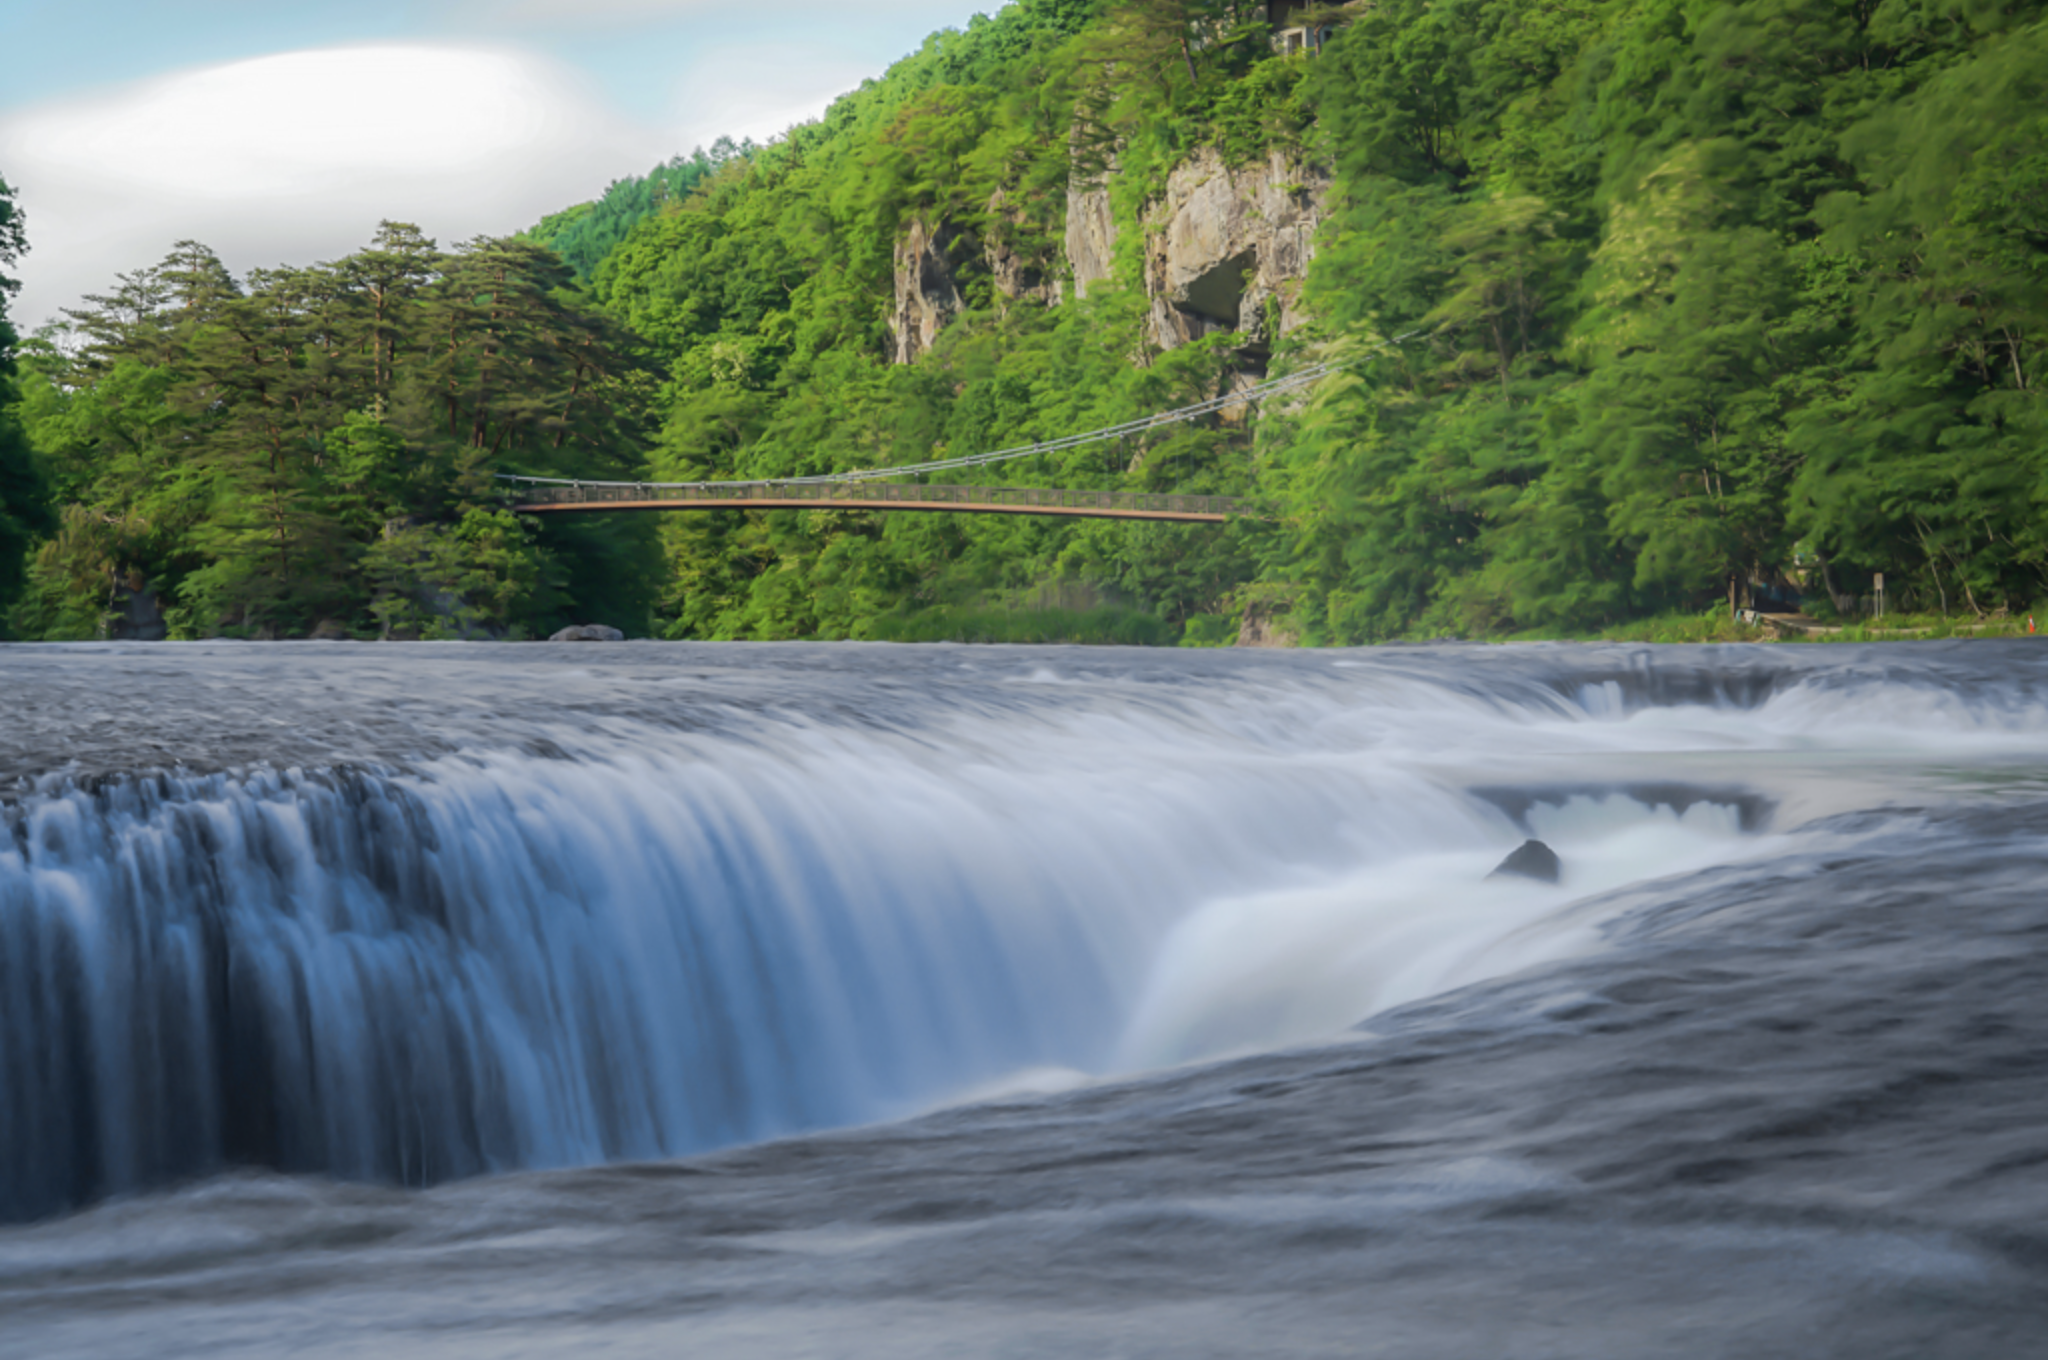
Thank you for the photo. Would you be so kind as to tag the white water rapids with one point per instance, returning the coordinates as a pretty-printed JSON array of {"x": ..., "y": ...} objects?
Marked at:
[{"x": 647, "y": 910}]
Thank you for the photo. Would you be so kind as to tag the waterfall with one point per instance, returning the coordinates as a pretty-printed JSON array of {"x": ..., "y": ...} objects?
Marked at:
[{"x": 636, "y": 940}]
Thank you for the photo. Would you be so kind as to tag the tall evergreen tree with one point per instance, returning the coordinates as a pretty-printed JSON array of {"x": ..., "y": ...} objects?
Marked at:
[
  {"x": 313, "y": 448},
  {"x": 25, "y": 510}
]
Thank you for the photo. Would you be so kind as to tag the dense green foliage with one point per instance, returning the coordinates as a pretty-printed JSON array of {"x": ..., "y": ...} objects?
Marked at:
[
  {"x": 766, "y": 300},
  {"x": 25, "y": 509},
  {"x": 315, "y": 451},
  {"x": 1696, "y": 296},
  {"x": 1706, "y": 295},
  {"x": 1715, "y": 292},
  {"x": 585, "y": 234}
]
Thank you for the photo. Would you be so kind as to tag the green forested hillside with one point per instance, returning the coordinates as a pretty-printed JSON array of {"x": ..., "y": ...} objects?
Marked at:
[
  {"x": 584, "y": 234},
  {"x": 310, "y": 450},
  {"x": 25, "y": 501},
  {"x": 1702, "y": 297},
  {"x": 765, "y": 300},
  {"x": 1723, "y": 290}
]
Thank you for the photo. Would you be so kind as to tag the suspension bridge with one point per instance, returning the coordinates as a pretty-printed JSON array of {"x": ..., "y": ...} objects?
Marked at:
[
  {"x": 988, "y": 500},
  {"x": 876, "y": 489}
]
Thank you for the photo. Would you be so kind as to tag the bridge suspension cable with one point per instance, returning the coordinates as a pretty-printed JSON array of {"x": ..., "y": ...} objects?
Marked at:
[{"x": 1272, "y": 387}]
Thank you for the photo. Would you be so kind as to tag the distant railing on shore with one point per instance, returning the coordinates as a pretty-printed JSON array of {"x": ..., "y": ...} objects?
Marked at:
[{"x": 541, "y": 497}]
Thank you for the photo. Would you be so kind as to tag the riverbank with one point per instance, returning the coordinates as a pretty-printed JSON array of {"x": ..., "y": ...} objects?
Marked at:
[{"x": 1750, "y": 626}]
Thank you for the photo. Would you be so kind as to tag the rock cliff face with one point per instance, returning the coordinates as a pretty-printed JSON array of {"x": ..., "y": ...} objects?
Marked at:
[
  {"x": 1091, "y": 235},
  {"x": 1226, "y": 246},
  {"x": 1226, "y": 249},
  {"x": 927, "y": 297},
  {"x": 933, "y": 262},
  {"x": 1258, "y": 629},
  {"x": 1017, "y": 275}
]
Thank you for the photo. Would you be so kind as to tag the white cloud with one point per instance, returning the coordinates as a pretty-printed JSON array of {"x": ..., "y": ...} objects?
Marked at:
[
  {"x": 588, "y": 11},
  {"x": 759, "y": 94},
  {"x": 295, "y": 157},
  {"x": 776, "y": 25}
]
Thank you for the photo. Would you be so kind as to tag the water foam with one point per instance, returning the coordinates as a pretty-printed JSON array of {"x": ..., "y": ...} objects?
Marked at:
[{"x": 616, "y": 939}]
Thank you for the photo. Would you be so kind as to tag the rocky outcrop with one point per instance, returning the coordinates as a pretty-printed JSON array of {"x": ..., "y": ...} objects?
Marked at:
[
  {"x": 588, "y": 632},
  {"x": 1091, "y": 235},
  {"x": 139, "y": 618},
  {"x": 1261, "y": 627},
  {"x": 1530, "y": 859},
  {"x": 927, "y": 296},
  {"x": 937, "y": 264},
  {"x": 1017, "y": 275},
  {"x": 1227, "y": 248}
]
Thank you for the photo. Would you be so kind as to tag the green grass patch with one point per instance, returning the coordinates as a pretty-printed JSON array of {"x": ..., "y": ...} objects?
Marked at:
[{"x": 1716, "y": 625}]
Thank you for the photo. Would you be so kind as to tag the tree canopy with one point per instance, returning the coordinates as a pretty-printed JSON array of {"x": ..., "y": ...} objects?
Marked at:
[
  {"x": 25, "y": 508},
  {"x": 1714, "y": 293},
  {"x": 1701, "y": 298},
  {"x": 314, "y": 449}
]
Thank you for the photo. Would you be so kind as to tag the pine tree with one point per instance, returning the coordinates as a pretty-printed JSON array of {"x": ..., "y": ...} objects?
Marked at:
[{"x": 25, "y": 510}]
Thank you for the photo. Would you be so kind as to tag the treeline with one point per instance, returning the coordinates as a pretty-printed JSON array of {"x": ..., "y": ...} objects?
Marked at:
[
  {"x": 584, "y": 234},
  {"x": 25, "y": 509},
  {"x": 1708, "y": 300},
  {"x": 312, "y": 451},
  {"x": 1700, "y": 300},
  {"x": 1714, "y": 294},
  {"x": 766, "y": 299}
]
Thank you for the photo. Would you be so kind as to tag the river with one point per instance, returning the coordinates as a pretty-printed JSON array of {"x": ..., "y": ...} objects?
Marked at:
[{"x": 769, "y": 1000}]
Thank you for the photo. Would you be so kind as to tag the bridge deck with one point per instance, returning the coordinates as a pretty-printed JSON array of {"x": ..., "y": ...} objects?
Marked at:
[{"x": 988, "y": 500}]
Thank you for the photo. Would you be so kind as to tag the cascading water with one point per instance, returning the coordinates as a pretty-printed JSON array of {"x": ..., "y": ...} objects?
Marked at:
[
  {"x": 648, "y": 941},
  {"x": 635, "y": 946},
  {"x": 402, "y": 916}
]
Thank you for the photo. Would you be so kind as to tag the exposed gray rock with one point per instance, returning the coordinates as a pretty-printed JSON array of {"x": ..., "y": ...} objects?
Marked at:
[
  {"x": 1017, "y": 275},
  {"x": 588, "y": 632},
  {"x": 1531, "y": 859},
  {"x": 1226, "y": 245},
  {"x": 1227, "y": 249},
  {"x": 1091, "y": 235},
  {"x": 1258, "y": 629},
  {"x": 927, "y": 298},
  {"x": 140, "y": 619}
]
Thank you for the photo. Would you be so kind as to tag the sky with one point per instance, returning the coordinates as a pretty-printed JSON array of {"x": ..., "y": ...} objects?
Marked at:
[{"x": 283, "y": 131}]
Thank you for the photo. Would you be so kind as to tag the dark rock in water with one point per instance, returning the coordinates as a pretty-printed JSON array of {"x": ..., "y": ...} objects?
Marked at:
[
  {"x": 141, "y": 618},
  {"x": 1532, "y": 859},
  {"x": 588, "y": 632}
]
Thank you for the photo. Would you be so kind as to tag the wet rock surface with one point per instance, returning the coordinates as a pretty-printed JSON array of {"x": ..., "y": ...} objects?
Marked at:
[{"x": 1532, "y": 859}]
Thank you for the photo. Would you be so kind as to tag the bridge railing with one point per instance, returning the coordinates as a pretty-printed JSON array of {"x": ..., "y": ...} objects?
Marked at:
[{"x": 827, "y": 493}]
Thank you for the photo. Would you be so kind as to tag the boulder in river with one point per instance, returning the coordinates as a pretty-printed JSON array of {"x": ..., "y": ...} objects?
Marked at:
[
  {"x": 588, "y": 632},
  {"x": 1532, "y": 859}
]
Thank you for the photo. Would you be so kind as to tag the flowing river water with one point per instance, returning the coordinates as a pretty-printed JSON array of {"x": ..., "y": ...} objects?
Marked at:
[{"x": 838, "y": 1000}]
